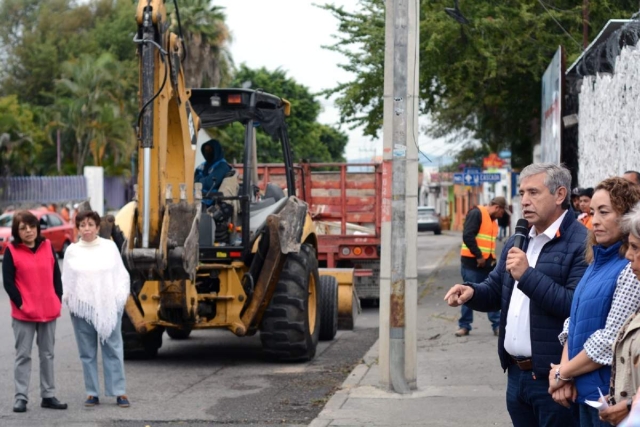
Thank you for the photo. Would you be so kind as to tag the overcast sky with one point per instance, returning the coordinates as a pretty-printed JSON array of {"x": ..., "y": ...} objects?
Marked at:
[{"x": 289, "y": 34}]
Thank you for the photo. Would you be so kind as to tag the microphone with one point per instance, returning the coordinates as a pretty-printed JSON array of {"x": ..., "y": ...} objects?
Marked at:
[{"x": 520, "y": 236}]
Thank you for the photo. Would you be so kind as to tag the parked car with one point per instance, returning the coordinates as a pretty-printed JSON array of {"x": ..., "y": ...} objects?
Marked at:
[
  {"x": 428, "y": 220},
  {"x": 52, "y": 227}
]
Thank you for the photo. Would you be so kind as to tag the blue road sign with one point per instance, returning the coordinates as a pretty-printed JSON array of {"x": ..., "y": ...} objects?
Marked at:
[
  {"x": 471, "y": 178},
  {"x": 472, "y": 171},
  {"x": 475, "y": 179},
  {"x": 490, "y": 177}
]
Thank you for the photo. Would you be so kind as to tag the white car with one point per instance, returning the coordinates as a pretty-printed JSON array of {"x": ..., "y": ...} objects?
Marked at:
[{"x": 428, "y": 220}]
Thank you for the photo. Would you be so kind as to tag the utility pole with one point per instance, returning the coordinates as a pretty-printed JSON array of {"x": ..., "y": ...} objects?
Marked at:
[{"x": 398, "y": 270}]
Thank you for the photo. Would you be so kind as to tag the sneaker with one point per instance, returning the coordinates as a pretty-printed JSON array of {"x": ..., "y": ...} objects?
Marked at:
[
  {"x": 92, "y": 401},
  {"x": 462, "y": 332},
  {"x": 123, "y": 402},
  {"x": 496, "y": 331}
]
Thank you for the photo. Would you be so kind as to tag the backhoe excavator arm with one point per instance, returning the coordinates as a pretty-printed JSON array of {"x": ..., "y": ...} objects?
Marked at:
[
  {"x": 167, "y": 127},
  {"x": 160, "y": 226}
]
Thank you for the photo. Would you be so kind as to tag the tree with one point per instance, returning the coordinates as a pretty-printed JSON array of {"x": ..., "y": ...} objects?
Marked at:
[
  {"x": 206, "y": 37},
  {"x": 21, "y": 139},
  {"x": 309, "y": 139},
  {"x": 482, "y": 78},
  {"x": 91, "y": 108}
]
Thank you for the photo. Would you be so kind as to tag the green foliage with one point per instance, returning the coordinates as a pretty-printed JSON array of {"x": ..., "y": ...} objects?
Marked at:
[
  {"x": 206, "y": 35},
  {"x": 21, "y": 139},
  {"x": 310, "y": 140},
  {"x": 72, "y": 67},
  {"x": 482, "y": 78},
  {"x": 90, "y": 107}
]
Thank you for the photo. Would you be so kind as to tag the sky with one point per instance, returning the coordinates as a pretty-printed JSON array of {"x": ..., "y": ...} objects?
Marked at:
[{"x": 289, "y": 34}]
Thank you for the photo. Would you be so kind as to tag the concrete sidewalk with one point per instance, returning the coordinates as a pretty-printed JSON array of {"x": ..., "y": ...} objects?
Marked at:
[{"x": 460, "y": 382}]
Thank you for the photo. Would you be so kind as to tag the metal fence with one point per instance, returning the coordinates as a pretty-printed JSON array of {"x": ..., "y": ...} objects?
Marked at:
[{"x": 34, "y": 190}]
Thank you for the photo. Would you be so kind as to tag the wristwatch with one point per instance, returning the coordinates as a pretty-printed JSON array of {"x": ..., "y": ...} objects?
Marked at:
[{"x": 629, "y": 403}]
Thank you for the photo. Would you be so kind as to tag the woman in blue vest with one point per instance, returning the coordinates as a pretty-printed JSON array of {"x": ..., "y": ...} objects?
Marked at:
[{"x": 603, "y": 300}]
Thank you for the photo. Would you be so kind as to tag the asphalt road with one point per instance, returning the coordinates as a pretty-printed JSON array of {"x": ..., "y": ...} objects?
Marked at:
[{"x": 213, "y": 378}]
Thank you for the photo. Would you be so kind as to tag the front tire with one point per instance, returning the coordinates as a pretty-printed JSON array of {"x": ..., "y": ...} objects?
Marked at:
[
  {"x": 291, "y": 324},
  {"x": 179, "y": 334},
  {"x": 328, "y": 308},
  {"x": 138, "y": 346}
]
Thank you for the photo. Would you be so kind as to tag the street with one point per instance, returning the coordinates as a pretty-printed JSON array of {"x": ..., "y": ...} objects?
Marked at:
[{"x": 213, "y": 377}]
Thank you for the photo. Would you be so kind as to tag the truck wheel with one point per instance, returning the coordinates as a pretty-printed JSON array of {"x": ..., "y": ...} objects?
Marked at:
[
  {"x": 328, "y": 307},
  {"x": 291, "y": 324},
  {"x": 138, "y": 346},
  {"x": 179, "y": 334},
  {"x": 437, "y": 231}
]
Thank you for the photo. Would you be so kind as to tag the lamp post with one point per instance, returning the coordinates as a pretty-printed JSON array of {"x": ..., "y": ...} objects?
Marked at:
[{"x": 455, "y": 13}]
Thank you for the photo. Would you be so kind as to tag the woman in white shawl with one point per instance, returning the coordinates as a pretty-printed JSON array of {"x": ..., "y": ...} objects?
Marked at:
[{"x": 96, "y": 287}]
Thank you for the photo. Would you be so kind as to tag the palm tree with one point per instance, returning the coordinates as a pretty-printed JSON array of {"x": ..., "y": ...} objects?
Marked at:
[
  {"x": 92, "y": 107},
  {"x": 206, "y": 38}
]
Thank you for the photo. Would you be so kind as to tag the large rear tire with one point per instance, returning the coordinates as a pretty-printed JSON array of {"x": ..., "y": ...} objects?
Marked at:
[
  {"x": 291, "y": 324},
  {"x": 138, "y": 346},
  {"x": 328, "y": 307}
]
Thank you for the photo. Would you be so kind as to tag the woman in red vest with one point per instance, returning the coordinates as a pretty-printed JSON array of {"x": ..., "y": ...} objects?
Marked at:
[{"x": 31, "y": 277}]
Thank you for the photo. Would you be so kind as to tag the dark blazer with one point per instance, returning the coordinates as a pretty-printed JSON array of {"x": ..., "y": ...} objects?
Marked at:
[{"x": 550, "y": 286}]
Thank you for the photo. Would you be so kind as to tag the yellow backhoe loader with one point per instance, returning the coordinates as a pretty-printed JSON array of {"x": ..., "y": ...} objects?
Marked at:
[{"x": 237, "y": 260}]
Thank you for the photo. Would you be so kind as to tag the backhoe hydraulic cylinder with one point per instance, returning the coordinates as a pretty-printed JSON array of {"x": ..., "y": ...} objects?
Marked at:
[{"x": 146, "y": 189}]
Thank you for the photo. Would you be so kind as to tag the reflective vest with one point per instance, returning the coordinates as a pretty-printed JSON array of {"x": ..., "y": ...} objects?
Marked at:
[
  {"x": 486, "y": 237},
  {"x": 586, "y": 220}
]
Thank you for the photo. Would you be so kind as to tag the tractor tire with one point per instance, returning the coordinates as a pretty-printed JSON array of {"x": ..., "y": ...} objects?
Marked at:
[
  {"x": 138, "y": 346},
  {"x": 291, "y": 323},
  {"x": 179, "y": 334},
  {"x": 328, "y": 307}
]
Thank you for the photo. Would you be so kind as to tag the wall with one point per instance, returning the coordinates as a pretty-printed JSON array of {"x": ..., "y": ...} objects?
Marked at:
[{"x": 609, "y": 121}]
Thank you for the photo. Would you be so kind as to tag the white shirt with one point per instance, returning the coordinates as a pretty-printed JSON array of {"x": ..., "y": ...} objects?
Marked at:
[{"x": 517, "y": 337}]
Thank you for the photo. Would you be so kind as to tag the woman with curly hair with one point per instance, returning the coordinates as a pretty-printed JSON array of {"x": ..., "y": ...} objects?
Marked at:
[
  {"x": 96, "y": 287},
  {"x": 608, "y": 293}
]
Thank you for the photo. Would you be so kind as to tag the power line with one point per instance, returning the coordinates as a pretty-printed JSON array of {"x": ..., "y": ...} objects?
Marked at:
[{"x": 560, "y": 25}]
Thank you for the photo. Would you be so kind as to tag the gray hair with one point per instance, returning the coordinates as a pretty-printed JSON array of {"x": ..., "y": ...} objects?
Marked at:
[
  {"x": 556, "y": 176},
  {"x": 631, "y": 222}
]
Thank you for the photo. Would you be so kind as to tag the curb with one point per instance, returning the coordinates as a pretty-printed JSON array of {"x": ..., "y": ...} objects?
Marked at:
[{"x": 371, "y": 357}]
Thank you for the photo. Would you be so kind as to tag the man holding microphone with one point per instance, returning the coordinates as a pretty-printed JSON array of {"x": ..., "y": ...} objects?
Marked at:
[{"x": 533, "y": 287}]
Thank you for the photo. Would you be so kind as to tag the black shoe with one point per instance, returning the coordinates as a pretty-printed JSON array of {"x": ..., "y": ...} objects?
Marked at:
[
  {"x": 20, "y": 406},
  {"x": 52, "y": 403}
]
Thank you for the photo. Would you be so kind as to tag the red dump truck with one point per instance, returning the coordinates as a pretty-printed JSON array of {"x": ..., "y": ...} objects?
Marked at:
[{"x": 345, "y": 201}]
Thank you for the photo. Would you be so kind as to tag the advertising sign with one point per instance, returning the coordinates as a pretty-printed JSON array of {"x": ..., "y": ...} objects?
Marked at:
[
  {"x": 551, "y": 132},
  {"x": 492, "y": 161}
]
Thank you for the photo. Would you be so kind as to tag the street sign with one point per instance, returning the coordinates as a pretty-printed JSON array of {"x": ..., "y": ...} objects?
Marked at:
[
  {"x": 474, "y": 179},
  {"x": 471, "y": 178},
  {"x": 490, "y": 177},
  {"x": 472, "y": 171}
]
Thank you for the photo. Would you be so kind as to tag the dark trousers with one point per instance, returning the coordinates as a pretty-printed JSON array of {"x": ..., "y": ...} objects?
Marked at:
[
  {"x": 589, "y": 417},
  {"x": 530, "y": 404},
  {"x": 475, "y": 275}
]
